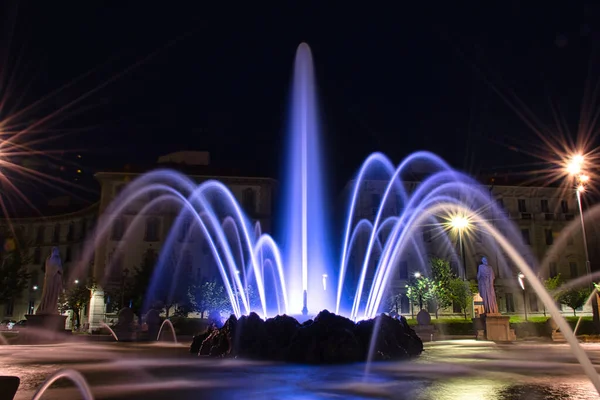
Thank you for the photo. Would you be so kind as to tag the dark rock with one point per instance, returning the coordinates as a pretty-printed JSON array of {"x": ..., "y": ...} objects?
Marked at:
[
  {"x": 8, "y": 387},
  {"x": 327, "y": 339},
  {"x": 199, "y": 338}
]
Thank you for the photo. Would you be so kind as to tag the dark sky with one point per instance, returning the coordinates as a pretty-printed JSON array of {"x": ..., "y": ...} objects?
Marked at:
[{"x": 166, "y": 78}]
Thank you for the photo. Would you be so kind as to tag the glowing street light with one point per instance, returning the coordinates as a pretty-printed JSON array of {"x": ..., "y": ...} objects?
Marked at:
[
  {"x": 77, "y": 281},
  {"x": 521, "y": 278},
  {"x": 461, "y": 223},
  {"x": 575, "y": 167},
  {"x": 417, "y": 275}
]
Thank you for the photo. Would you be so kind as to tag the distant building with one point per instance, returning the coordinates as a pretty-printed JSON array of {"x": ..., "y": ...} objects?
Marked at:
[
  {"x": 540, "y": 213},
  {"x": 254, "y": 194},
  {"x": 66, "y": 225}
]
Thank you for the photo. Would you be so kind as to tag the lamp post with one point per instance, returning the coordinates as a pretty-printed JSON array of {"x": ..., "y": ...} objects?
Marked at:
[
  {"x": 521, "y": 277},
  {"x": 460, "y": 223},
  {"x": 576, "y": 169}
]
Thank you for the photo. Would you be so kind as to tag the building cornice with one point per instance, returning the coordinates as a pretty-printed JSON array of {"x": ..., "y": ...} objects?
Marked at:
[{"x": 58, "y": 217}]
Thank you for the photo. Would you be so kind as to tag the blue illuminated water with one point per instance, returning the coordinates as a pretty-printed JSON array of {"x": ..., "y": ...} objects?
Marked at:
[{"x": 302, "y": 268}]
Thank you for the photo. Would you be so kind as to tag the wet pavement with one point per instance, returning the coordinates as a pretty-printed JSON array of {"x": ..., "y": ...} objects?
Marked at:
[{"x": 466, "y": 370}]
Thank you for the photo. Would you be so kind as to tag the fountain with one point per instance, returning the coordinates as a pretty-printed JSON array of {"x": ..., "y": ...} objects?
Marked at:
[{"x": 289, "y": 276}]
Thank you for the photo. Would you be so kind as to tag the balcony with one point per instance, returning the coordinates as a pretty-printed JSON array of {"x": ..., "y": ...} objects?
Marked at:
[{"x": 548, "y": 216}]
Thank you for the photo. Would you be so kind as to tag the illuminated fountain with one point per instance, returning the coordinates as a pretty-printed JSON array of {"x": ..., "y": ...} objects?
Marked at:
[{"x": 299, "y": 273}]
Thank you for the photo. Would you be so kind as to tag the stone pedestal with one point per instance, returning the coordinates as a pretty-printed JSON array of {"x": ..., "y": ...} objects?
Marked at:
[
  {"x": 424, "y": 329},
  {"x": 43, "y": 328},
  {"x": 97, "y": 311},
  {"x": 497, "y": 328},
  {"x": 555, "y": 333}
]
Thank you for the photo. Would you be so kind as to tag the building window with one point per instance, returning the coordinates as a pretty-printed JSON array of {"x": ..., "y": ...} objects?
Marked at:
[
  {"x": 152, "y": 226},
  {"x": 249, "y": 200},
  {"x": 544, "y": 206},
  {"x": 500, "y": 204},
  {"x": 510, "y": 302},
  {"x": 404, "y": 304},
  {"x": 533, "y": 302},
  {"x": 205, "y": 247},
  {"x": 31, "y": 306},
  {"x": 187, "y": 262},
  {"x": 403, "y": 269},
  {"x": 573, "y": 269},
  {"x": 37, "y": 255},
  {"x": 525, "y": 235},
  {"x": 119, "y": 189},
  {"x": 68, "y": 254},
  {"x": 549, "y": 237},
  {"x": 39, "y": 236},
  {"x": 456, "y": 308},
  {"x": 570, "y": 240},
  {"x": 553, "y": 269},
  {"x": 184, "y": 231},
  {"x": 375, "y": 201},
  {"x": 118, "y": 229},
  {"x": 477, "y": 235},
  {"x": 10, "y": 308},
  {"x": 70, "y": 232},
  {"x": 198, "y": 275},
  {"x": 522, "y": 205},
  {"x": 564, "y": 206},
  {"x": 427, "y": 236},
  {"x": 83, "y": 229},
  {"x": 56, "y": 234}
]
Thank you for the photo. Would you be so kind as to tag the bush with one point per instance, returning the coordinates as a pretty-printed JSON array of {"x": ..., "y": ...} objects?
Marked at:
[{"x": 189, "y": 326}]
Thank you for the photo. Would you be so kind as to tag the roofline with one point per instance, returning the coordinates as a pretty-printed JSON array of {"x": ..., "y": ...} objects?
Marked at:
[
  {"x": 53, "y": 217},
  {"x": 217, "y": 177}
]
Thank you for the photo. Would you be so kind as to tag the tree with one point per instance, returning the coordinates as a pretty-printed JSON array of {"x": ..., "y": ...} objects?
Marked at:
[
  {"x": 461, "y": 294},
  {"x": 442, "y": 275},
  {"x": 76, "y": 298},
  {"x": 14, "y": 277},
  {"x": 171, "y": 287},
  {"x": 420, "y": 290},
  {"x": 551, "y": 284},
  {"x": 207, "y": 297},
  {"x": 574, "y": 298}
]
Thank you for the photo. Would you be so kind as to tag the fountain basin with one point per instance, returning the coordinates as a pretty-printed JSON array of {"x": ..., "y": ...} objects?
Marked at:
[{"x": 328, "y": 339}]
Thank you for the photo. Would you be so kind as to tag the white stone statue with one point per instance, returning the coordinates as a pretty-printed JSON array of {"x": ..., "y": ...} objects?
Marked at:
[
  {"x": 485, "y": 280},
  {"x": 53, "y": 281}
]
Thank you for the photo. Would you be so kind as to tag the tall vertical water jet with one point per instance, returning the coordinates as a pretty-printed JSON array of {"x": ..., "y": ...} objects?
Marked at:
[{"x": 306, "y": 237}]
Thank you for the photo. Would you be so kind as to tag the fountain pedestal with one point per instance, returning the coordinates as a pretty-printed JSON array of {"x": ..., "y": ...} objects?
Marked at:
[
  {"x": 497, "y": 328},
  {"x": 45, "y": 327}
]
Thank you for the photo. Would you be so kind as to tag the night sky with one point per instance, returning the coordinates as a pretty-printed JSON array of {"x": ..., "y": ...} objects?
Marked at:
[{"x": 163, "y": 78}]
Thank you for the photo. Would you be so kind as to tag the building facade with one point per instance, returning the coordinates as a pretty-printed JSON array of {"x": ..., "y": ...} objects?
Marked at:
[
  {"x": 137, "y": 232},
  {"x": 67, "y": 231},
  {"x": 537, "y": 215}
]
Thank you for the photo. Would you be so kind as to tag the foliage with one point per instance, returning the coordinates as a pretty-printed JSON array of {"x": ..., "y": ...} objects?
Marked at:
[
  {"x": 461, "y": 294},
  {"x": 171, "y": 287},
  {"x": 551, "y": 284},
  {"x": 420, "y": 290},
  {"x": 574, "y": 298},
  {"x": 76, "y": 298},
  {"x": 208, "y": 296},
  {"x": 442, "y": 275},
  {"x": 14, "y": 257}
]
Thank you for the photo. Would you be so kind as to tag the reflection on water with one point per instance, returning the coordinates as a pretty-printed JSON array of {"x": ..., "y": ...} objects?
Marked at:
[{"x": 466, "y": 370}]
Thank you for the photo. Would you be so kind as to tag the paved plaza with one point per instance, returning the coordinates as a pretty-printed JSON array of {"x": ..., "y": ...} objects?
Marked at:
[{"x": 446, "y": 370}]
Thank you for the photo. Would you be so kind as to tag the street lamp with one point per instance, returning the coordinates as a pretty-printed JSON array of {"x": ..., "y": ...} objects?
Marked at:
[
  {"x": 576, "y": 169},
  {"x": 461, "y": 223},
  {"x": 521, "y": 277}
]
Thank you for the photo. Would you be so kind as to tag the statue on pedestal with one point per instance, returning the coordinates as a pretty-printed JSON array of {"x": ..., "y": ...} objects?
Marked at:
[
  {"x": 485, "y": 280},
  {"x": 53, "y": 280}
]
